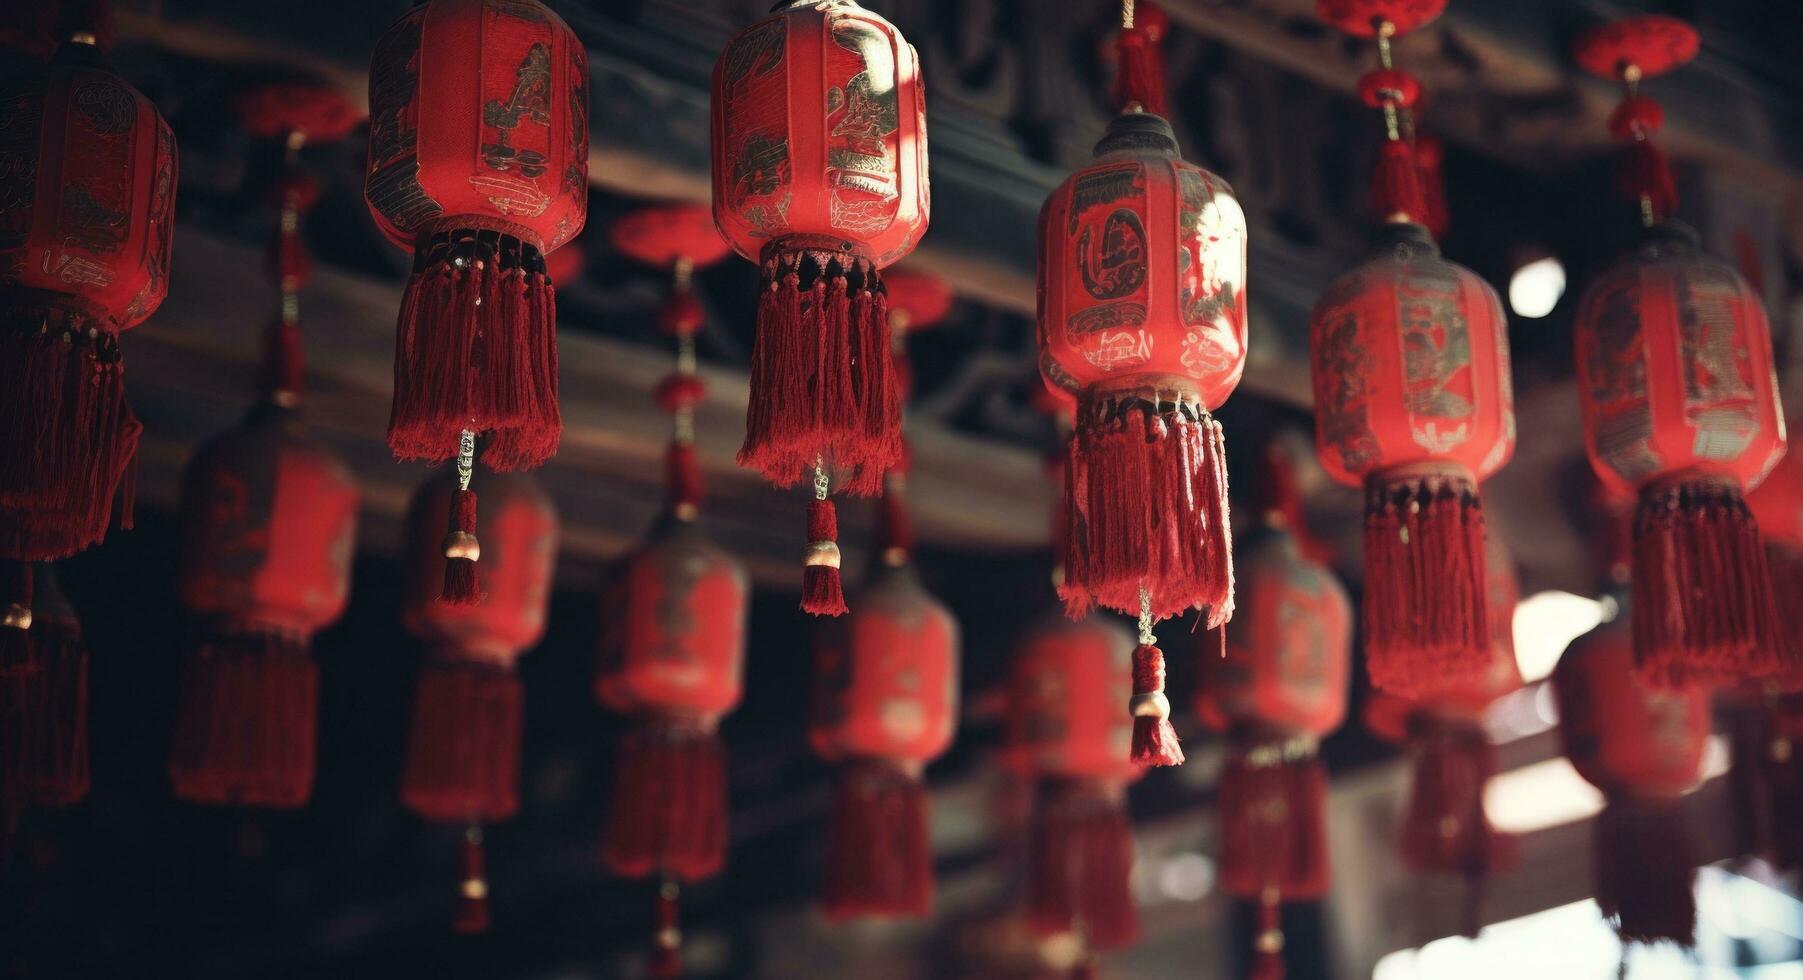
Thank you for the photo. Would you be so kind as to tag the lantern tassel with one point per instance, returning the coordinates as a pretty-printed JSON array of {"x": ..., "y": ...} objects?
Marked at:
[
  {"x": 668, "y": 812},
  {"x": 822, "y": 383},
  {"x": 476, "y": 348},
  {"x": 1396, "y": 193},
  {"x": 463, "y": 749},
  {"x": 879, "y": 859},
  {"x": 68, "y": 439},
  {"x": 1146, "y": 506},
  {"x": 1080, "y": 865},
  {"x": 1646, "y": 176},
  {"x": 245, "y": 721},
  {"x": 1445, "y": 829},
  {"x": 1273, "y": 822},
  {"x": 472, "y": 915},
  {"x": 1426, "y": 622},
  {"x": 822, "y": 591},
  {"x": 1645, "y": 861},
  {"x": 462, "y": 549},
  {"x": 1701, "y": 589},
  {"x": 1785, "y": 566},
  {"x": 1141, "y": 78},
  {"x": 1154, "y": 740}
]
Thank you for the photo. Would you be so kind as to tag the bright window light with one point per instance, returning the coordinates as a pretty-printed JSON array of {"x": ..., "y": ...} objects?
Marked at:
[
  {"x": 1551, "y": 793},
  {"x": 1545, "y": 624},
  {"x": 1535, "y": 288}
]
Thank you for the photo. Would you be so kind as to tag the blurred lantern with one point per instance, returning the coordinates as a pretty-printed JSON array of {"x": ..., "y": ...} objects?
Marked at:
[
  {"x": 1643, "y": 747},
  {"x": 1765, "y": 781},
  {"x": 834, "y": 82},
  {"x": 478, "y": 163},
  {"x": 1412, "y": 401},
  {"x": 1680, "y": 402},
  {"x": 1280, "y": 687},
  {"x": 268, "y": 530},
  {"x": 917, "y": 300},
  {"x": 885, "y": 704},
  {"x": 1066, "y": 730},
  {"x": 1147, "y": 355},
  {"x": 1778, "y": 507},
  {"x": 673, "y": 628},
  {"x": 463, "y": 748},
  {"x": 87, "y": 201}
]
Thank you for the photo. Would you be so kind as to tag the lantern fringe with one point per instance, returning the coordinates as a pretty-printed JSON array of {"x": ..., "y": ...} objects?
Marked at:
[
  {"x": 1396, "y": 192},
  {"x": 1273, "y": 824},
  {"x": 1146, "y": 506},
  {"x": 879, "y": 859},
  {"x": 1426, "y": 623},
  {"x": 463, "y": 749},
  {"x": 822, "y": 383},
  {"x": 1079, "y": 864},
  {"x": 1784, "y": 565},
  {"x": 1701, "y": 589},
  {"x": 462, "y": 584},
  {"x": 245, "y": 722},
  {"x": 68, "y": 439},
  {"x": 58, "y": 766},
  {"x": 668, "y": 812},
  {"x": 1646, "y": 175},
  {"x": 822, "y": 586},
  {"x": 1645, "y": 860},
  {"x": 476, "y": 348},
  {"x": 1154, "y": 739},
  {"x": 471, "y": 916}
]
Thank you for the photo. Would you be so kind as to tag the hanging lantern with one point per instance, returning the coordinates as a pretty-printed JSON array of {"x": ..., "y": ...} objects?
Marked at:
[
  {"x": 1778, "y": 507},
  {"x": 673, "y": 627},
  {"x": 478, "y": 163},
  {"x": 885, "y": 704},
  {"x": 87, "y": 204},
  {"x": 463, "y": 747},
  {"x": 1643, "y": 747},
  {"x": 838, "y": 84},
  {"x": 1680, "y": 402}
]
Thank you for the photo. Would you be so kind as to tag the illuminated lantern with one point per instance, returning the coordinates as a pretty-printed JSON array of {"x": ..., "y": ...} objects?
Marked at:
[
  {"x": 820, "y": 177},
  {"x": 478, "y": 163},
  {"x": 1778, "y": 507},
  {"x": 1680, "y": 403},
  {"x": 885, "y": 704},
  {"x": 1643, "y": 747},
  {"x": 1066, "y": 730},
  {"x": 1142, "y": 320},
  {"x": 463, "y": 748},
  {"x": 673, "y": 627},
  {"x": 87, "y": 205}
]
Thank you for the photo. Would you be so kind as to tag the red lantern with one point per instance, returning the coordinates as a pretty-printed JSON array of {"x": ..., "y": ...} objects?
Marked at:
[
  {"x": 1643, "y": 747},
  {"x": 87, "y": 204},
  {"x": 820, "y": 177},
  {"x": 478, "y": 163},
  {"x": 1066, "y": 729},
  {"x": 1680, "y": 403},
  {"x": 463, "y": 750},
  {"x": 885, "y": 704}
]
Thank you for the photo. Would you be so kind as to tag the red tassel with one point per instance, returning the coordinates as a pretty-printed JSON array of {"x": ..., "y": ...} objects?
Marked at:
[
  {"x": 1080, "y": 865},
  {"x": 822, "y": 592},
  {"x": 666, "y": 940},
  {"x": 822, "y": 382},
  {"x": 462, "y": 549},
  {"x": 668, "y": 813},
  {"x": 1425, "y": 616},
  {"x": 472, "y": 915},
  {"x": 879, "y": 858},
  {"x": 58, "y": 767},
  {"x": 476, "y": 349},
  {"x": 1701, "y": 589},
  {"x": 1141, "y": 73},
  {"x": 1445, "y": 829},
  {"x": 1645, "y": 861},
  {"x": 1146, "y": 506},
  {"x": 1154, "y": 740},
  {"x": 1273, "y": 821},
  {"x": 1647, "y": 176},
  {"x": 1396, "y": 188},
  {"x": 683, "y": 475},
  {"x": 463, "y": 750},
  {"x": 245, "y": 723},
  {"x": 1267, "y": 946},
  {"x": 68, "y": 440}
]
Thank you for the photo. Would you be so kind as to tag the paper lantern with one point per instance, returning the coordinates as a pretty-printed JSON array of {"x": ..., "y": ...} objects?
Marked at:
[{"x": 87, "y": 205}]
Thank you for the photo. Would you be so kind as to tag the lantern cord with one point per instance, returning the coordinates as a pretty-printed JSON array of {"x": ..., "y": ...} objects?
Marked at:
[
  {"x": 1146, "y": 637},
  {"x": 666, "y": 937},
  {"x": 466, "y": 459},
  {"x": 1127, "y": 14}
]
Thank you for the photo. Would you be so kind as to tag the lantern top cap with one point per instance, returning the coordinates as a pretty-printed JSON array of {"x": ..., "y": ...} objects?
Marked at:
[
  {"x": 1378, "y": 18},
  {"x": 1139, "y": 134},
  {"x": 1405, "y": 236},
  {"x": 1634, "y": 48}
]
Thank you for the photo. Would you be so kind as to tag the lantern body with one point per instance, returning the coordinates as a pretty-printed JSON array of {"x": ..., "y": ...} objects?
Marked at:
[
  {"x": 1291, "y": 661},
  {"x": 1142, "y": 273},
  {"x": 819, "y": 119},
  {"x": 1624, "y": 735},
  {"x": 1065, "y": 694},
  {"x": 87, "y": 200},
  {"x": 479, "y": 120},
  {"x": 519, "y": 547},
  {"x": 268, "y": 528},
  {"x": 886, "y": 676},
  {"x": 1410, "y": 357},
  {"x": 1675, "y": 369},
  {"x": 674, "y": 637}
]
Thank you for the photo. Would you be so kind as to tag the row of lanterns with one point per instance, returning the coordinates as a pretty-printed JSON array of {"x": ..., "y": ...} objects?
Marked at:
[{"x": 820, "y": 174}]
